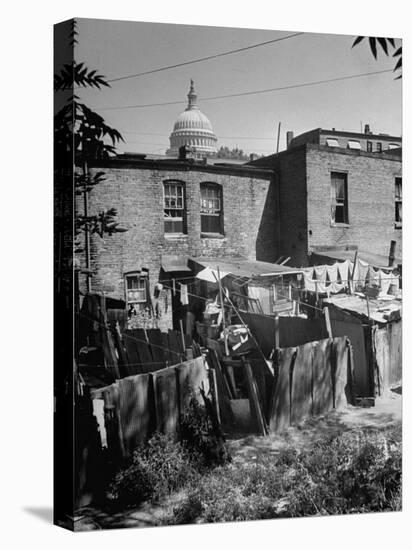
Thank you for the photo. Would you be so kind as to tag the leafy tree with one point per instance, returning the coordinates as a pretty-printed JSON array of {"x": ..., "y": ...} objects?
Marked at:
[
  {"x": 82, "y": 136},
  {"x": 386, "y": 44}
]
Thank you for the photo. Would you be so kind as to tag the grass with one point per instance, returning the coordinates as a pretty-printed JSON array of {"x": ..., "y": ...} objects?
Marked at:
[
  {"x": 355, "y": 471},
  {"x": 351, "y": 473}
]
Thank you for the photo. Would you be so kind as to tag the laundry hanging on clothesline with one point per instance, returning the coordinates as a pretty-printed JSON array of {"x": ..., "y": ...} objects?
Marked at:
[{"x": 331, "y": 279}]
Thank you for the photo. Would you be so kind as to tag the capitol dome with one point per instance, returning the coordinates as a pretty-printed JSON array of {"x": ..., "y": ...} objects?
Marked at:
[{"x": 193, "y": 129}]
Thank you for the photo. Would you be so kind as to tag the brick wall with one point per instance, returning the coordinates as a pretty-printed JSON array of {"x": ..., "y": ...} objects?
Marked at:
[
  {"x": 303, "y": 175},
  {"x": 137, "y": 194},
  {"x": 290, "y": 168},
  {"x": 371, "y": 200}
]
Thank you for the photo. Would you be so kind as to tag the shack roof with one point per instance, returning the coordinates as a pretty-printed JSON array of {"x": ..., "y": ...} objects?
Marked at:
[{"x": 380, "y": 310}]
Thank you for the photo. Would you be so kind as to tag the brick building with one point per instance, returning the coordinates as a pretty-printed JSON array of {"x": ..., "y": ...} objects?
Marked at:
[
  {"x": 338, "y": 191},
  {"x": 174, "y": 210}
]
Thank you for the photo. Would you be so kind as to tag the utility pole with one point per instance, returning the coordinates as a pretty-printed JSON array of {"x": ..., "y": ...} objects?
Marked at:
[{"x": 277, "y": 146}]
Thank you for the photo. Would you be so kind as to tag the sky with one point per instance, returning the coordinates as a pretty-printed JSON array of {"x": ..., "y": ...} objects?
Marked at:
[{"x": 119, "y": 48}]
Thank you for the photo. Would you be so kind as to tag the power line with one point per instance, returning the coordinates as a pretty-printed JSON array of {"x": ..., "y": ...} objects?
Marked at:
[
  {"x": 252, "y": 92},
  {"x": 201, "y": 59},
  {"x": 220, "y": 137}
]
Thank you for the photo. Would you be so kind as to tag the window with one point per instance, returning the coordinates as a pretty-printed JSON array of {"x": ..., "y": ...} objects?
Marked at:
[
  {"x": 398, "y": 202},
  {"x": 174, "y": 207},
  {"x": 379, "y": 147},
  {"x": 369, "y": 146},
  {"x": 136, "y": 291},
  {"x": 211, "y": 218},
  {"x": 339, "y": 190},
  {"x": 332, "y": 142},
  {"x": 354, "y": 144}
]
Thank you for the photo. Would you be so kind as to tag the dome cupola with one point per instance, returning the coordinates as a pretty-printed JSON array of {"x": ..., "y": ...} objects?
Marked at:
[{"x": 193, "y": 129}]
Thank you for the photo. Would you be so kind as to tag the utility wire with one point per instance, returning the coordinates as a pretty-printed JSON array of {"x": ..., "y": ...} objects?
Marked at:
[
  {"x": 252, "y": 92},
  {"x": 220, "y": 137},
  {"x": 201, "y": 59}
]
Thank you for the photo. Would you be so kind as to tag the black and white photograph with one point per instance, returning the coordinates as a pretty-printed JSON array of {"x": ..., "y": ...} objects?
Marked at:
[{"x": 227, "y": 274}]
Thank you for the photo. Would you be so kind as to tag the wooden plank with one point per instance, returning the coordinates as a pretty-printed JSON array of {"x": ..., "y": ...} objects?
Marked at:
[
  {"x": 322, "y": 377},
  {"x": 327, "y": 321},
  {"x": 340, "y": 372},
  {"x": 215, "y": 395},
  {"x": 230, "y": 377},
  {"x": 107, "y": 342},
  {"x": 133, "y": 358},
  {"x": 279, "y": 411},
  {"x": 222, "y": 390},
  {"x": 156, "y": 347},
  {"x": 165, "y": 344},
  {"x": 143, "y": 348},
  {"x": 121, "y": 351},
  {"x": 136, "y": 410},
  {"x": 301, "y": 388},
  {"x": 245, "y": 423},
  {"x": 345, "y": 324},
  {"x": 255, "y": 402},
  {"x": 166, "y": 400},
  {"x": 175, "y": 347}
]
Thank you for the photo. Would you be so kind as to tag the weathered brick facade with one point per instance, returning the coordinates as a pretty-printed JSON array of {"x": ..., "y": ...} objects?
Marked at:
[
  {"x": 304, "y": 187},
  {"x": 135, "y": 189},
  {"x": 371, "y": 200}
]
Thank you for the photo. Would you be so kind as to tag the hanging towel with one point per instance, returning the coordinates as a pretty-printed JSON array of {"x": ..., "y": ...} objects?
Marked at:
[
  {"x": 373, "y": 276},
  {"x": 308, "y": 271},
  {"x": 332, "y": 271},
  {"x": 334, "y": 288},
  {"x": 184, "y": 298},
  {"x": 343, "y": 269},
  {"x": 320, "y": 273},
  {"x": 385, "y": 281},
  {"x": 309, "y": 283},
  {"x": 322, "y": 288},
  {"x": 394, "y": 284},
  {"x": 362, "y": 273}
]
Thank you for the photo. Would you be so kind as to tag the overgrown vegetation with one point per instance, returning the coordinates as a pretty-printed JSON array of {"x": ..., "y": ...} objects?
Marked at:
[
  {"x": 156, "y": 469},
  {"x": 165, "y": 465},
  {"x": 354, "y": 472},
  {"x": 206, "y": 448},
  {"x": 351, "y": 473}
]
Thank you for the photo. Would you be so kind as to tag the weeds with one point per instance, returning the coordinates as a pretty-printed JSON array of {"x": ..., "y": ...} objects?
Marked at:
[{"x": 348, "y": 474}]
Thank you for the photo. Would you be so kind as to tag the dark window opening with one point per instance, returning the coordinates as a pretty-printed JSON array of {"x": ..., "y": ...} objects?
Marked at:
[
  {"x": 136, "y": 292},
  {"x": 174, "y": 207},
  {"x": 211, "y": 211},
  {"x": 339, "y": 182},
  {"x": 379, "y": 147},
  {"x": 398, "y": 201},
  {"x": 369, "y": 146}
]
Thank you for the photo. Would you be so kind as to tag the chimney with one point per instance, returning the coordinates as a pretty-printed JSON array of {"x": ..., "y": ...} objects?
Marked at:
[
  {"x": 182, "y": 152},
  {"x": 367, "y": 129},
  {"x": 289, "y": 137}
]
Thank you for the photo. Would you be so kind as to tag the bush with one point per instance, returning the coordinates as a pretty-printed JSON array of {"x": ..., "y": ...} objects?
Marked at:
[
  {"x": 156, "y": 469},
  {"x": 199, "y": 437},
  {"x": 346, "y": 474}
]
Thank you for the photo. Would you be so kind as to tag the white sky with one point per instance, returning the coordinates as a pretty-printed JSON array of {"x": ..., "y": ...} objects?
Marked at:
[{"x": 118, "y": 48}]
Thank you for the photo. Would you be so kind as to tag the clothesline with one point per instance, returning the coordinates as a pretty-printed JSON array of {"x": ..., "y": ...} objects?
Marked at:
[{"x": 246, "y": 297}]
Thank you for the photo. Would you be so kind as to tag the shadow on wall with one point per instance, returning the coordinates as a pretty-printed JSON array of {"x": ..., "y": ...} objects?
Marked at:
[{"x": 267, "y": 247}]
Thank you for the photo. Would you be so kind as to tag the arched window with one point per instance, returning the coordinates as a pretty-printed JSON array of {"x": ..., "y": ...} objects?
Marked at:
[
  {"x": 174, "y": 204},
  {"x": 211, "y": 208}
]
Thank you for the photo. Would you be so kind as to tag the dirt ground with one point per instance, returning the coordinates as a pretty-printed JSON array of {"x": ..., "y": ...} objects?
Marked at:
[{"x": 386, "y": 412}]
